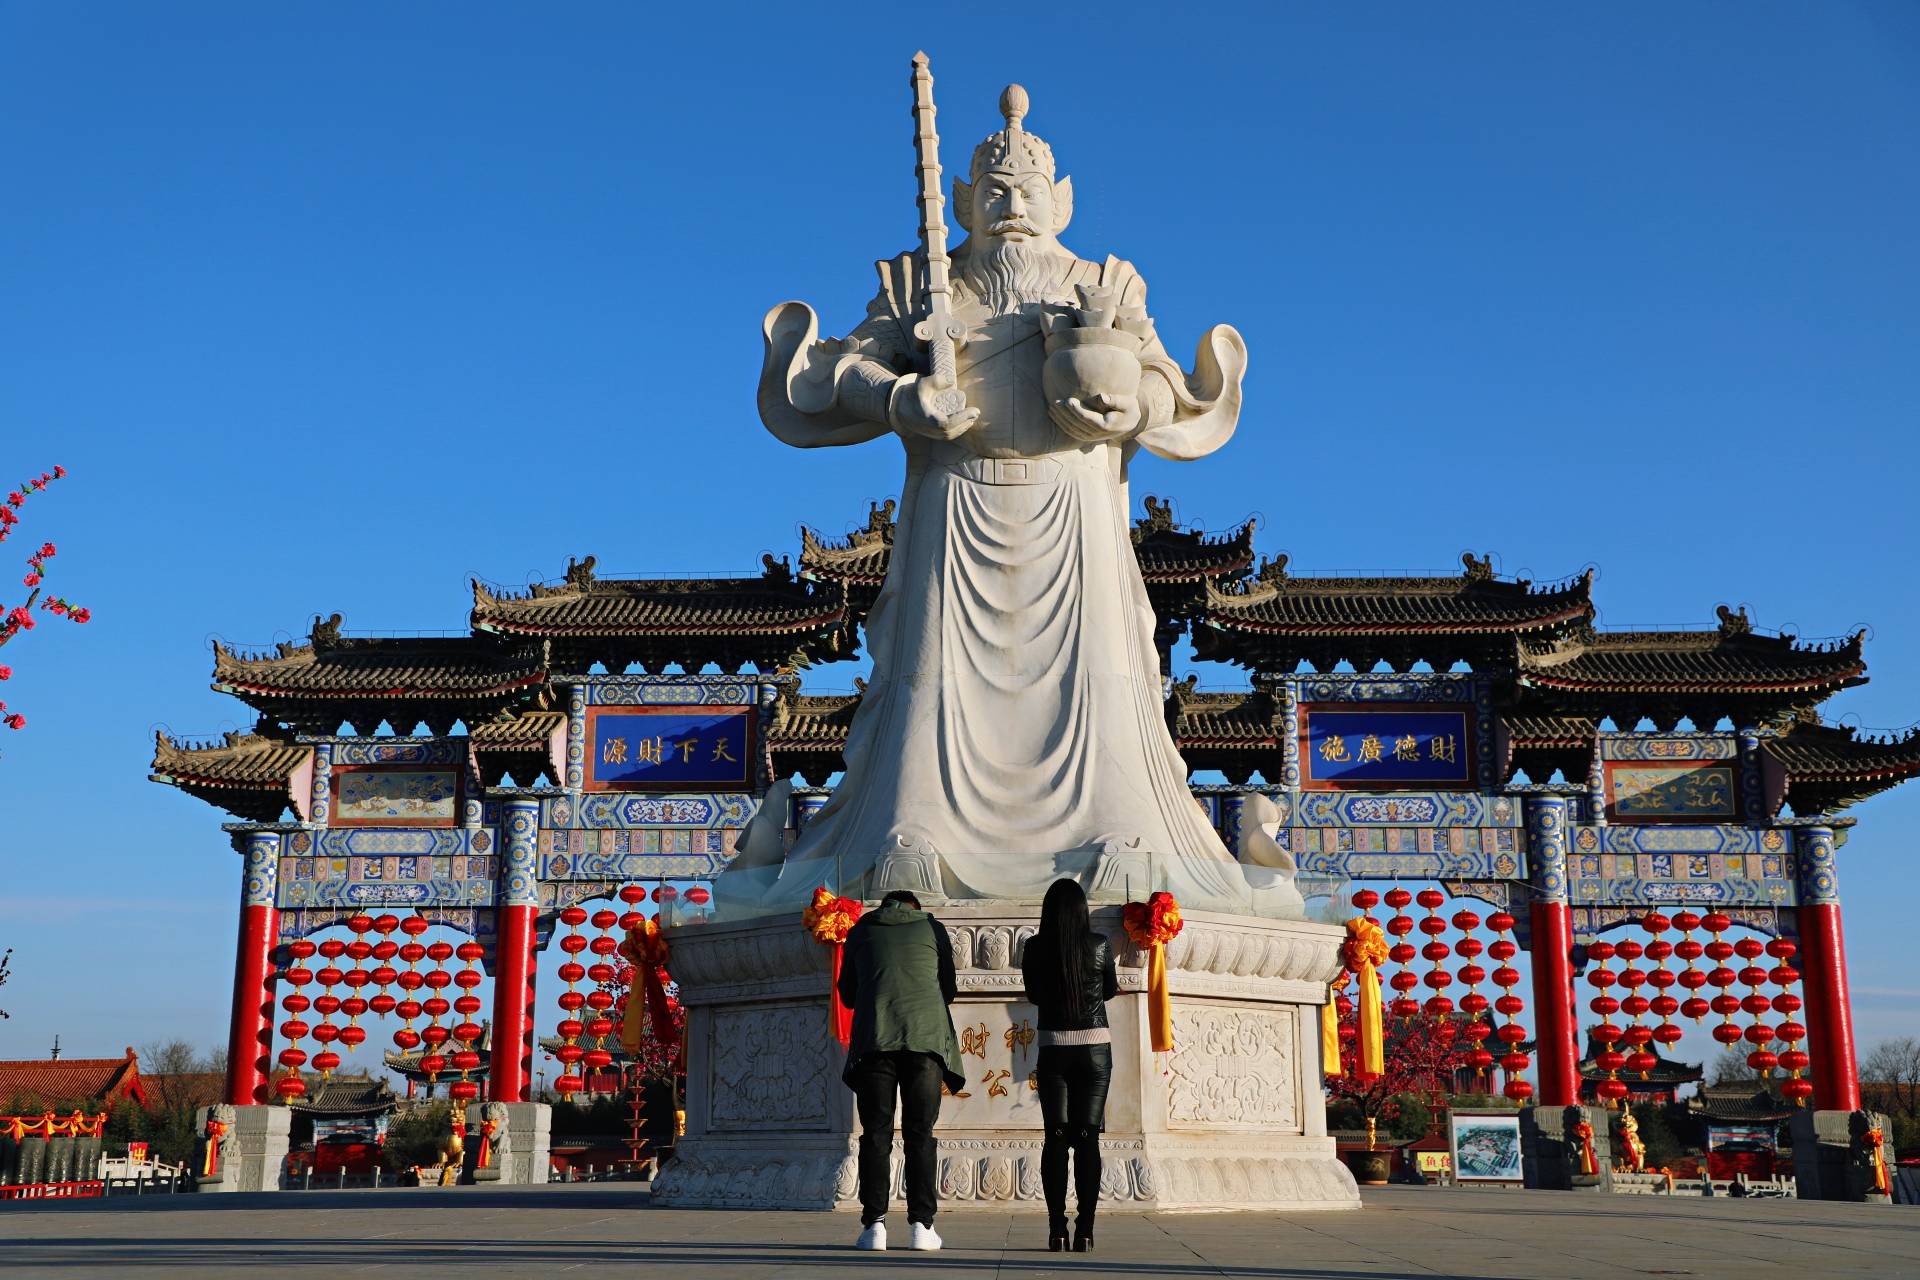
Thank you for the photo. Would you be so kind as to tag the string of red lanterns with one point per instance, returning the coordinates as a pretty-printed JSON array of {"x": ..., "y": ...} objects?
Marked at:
[
  {"x": 1509, "y": 1005},
  {"x": 571, "y": 1001}
]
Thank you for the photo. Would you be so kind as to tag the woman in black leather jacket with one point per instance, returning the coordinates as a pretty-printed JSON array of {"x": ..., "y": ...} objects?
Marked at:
[{"x": 1069, "y": 976}]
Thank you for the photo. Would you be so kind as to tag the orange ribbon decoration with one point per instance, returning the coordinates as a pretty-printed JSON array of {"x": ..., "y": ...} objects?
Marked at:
[
  {"x": 829, "y": 920},
  {"x": 1584, "y": 1131},
  {"x": 1152, "y": 925},
  {"x": 210, "y": 1163},
  {"x": 1364, "y": 951},
  {"x": 484, "y": 1158},
  {"x": 48, "y": 1125},
  {"x": 1875, "y": 1142},
  {"x": 646, "y": 949}
]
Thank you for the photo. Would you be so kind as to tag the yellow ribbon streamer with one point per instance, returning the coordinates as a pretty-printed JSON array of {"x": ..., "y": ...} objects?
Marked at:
[
  {"x": 1876, "y": 1141},
  {"x": 1152, "y": 925},
  {"x": 1364, "y": 951},
  {"x": 1159, "y": 1004}
]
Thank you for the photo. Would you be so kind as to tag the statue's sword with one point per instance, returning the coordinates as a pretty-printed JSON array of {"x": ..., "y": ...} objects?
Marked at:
[{"x": 937, "y": 329}]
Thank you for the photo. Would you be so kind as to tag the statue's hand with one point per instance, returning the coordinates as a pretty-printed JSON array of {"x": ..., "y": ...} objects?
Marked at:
[
  {"x": 1096, "y": 418},
  {"x": 917, "y": 406}
]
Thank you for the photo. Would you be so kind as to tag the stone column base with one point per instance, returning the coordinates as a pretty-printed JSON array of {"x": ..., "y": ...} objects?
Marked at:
[
  {"x": 256, "y": 1151},
  {"x": 528, "y": 1145},
  {"x": 1829, "y": 1161},
  {"x": 1233, "y": 1118},
  {"x": 1550, "y": 1154}
]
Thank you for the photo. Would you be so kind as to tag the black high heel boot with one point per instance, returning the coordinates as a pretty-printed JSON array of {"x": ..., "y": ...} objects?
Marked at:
[
  {"x": 1057, "y": 1236},
  {"x": 1083, "y": 1239}
]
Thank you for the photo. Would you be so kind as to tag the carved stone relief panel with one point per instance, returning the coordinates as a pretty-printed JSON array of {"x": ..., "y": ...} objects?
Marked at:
[
  {"x": 1234, "y": 1068},
  {"x": 771, "y": 1069}
]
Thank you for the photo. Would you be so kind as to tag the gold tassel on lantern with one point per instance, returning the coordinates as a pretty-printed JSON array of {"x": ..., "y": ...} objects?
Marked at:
[{"x": 1364, "y": 951}]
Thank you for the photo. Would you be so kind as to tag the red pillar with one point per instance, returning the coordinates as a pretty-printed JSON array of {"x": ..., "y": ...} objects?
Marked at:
[
  {"x": 513, "y": 975},
  {"x": 1557, "y": 1044},
  {"x": 1823, "y": 969},
  {"x": 1558, "y": 1053},
  {"x": 517, "y": 903},
  {"x": 250, "y": 1033},
  {"x": 1823, "y": 975}
]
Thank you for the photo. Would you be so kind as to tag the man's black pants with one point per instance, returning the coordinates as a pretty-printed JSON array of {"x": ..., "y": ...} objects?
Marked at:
[{"x": 916, "y": 1078}]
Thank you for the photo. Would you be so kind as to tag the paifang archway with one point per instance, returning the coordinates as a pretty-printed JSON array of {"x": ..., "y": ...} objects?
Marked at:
[{"x": 1385, "y": 724}]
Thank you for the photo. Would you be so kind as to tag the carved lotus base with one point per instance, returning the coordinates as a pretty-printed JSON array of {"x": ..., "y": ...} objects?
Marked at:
[{"x": 1232, "y": 1119}]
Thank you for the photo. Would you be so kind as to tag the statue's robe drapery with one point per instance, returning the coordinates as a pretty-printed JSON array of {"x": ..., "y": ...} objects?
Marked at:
[{"x": 1013, "y": 729}]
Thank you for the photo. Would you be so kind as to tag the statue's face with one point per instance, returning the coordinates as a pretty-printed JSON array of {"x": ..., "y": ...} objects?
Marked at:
[{"x": 1013, "y": 207}]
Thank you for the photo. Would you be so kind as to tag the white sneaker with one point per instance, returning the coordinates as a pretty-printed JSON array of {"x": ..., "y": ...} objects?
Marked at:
[
  {"x": 875, "y": 1237},
  {"x": 925, "y": 1238}
]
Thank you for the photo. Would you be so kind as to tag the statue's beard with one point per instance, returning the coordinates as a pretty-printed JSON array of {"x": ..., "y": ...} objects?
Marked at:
[{"x": 1004, "y": 273}]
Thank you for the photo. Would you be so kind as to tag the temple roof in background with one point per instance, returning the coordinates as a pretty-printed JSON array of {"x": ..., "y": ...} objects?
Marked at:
[{"x": 1557, "y": 678}]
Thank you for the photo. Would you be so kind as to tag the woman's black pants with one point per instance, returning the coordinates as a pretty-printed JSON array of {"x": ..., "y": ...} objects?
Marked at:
[{"x": 1073, "y": 1082}]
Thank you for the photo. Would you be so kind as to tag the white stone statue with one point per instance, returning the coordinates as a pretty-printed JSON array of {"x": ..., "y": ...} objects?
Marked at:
[{"x": 1013, "y": 728}]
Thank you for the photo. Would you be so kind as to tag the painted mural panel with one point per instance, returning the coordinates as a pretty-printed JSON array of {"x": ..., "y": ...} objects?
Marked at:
[
  {"x": 669, "y": 748},
  {"x": 1696, "y": 791},
  {"x": 395, "y": 796},
  {"x": 1386, "y": 746}
]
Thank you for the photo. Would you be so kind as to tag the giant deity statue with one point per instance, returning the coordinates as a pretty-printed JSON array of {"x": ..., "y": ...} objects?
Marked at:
[{"x": 1013, "y": 729}]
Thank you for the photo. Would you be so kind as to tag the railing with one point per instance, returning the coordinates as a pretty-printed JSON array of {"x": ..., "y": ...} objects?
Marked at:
[{"x": 53, "y": 1190}]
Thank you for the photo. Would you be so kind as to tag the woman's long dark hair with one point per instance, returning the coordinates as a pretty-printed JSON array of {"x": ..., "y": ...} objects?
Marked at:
[{"x": 1066, "y": 936}]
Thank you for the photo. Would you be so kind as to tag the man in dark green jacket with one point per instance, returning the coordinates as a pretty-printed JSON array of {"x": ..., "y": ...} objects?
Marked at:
[{"x": 897, "y": 977}]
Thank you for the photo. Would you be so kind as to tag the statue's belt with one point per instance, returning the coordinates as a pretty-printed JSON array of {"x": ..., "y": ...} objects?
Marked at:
[{"x": 1007, "y": 470}]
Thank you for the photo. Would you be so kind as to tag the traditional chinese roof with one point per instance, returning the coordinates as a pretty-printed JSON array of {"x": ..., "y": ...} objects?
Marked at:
[
  {"x": 1541, "y": 744},
  {"x": 357, "y": 1095},
  {"x": 407, "y": 1064},
  {"x": 35, "y": 1084},
  {"x": 772, "y": 622},
  {"x": 1829, "y": 767},
  {"x": 1236, "y": 733},
  {"x": 1667, "y": 1073},
  {"x": 1274, "y": 621},
  {"x": 1702, "y": 675},
  {"x": 1745, "y": 1102},
  {"x": 1168, "y": 553},
  {"x": 809, "y": 732},
  {"x": 1174, "y": 561},
  {"x": 520, "y": 745},
  {"x": 250, "y": 775},
  {"x": 364, "y": 680},
  {"x": 857, "y": 562}
]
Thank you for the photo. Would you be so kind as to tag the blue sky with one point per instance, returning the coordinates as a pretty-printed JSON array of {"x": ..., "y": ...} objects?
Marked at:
[{"x": 328, "y": 308}]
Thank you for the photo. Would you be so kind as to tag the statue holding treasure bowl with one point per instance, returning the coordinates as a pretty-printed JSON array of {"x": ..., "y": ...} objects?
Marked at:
[{"x": 1013, "y": 729}]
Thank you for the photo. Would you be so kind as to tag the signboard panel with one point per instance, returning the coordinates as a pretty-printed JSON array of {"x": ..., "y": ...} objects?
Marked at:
[
  {"x": 1697, "y": 791},
  {"x": 387, "y": 795},
  {"x": 1486, "y": 1146},
  {"x": 669, "y": 748},
  {"x": 1387, "y": 746}
]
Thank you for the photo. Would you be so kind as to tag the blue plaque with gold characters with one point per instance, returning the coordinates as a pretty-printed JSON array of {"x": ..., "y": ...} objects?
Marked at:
[
  {"x": 1384, "y": 746},
  {"x": 669, "y": 749}
]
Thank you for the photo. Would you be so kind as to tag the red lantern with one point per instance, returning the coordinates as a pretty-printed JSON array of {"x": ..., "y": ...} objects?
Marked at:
[{"x": 699, "y": 896}]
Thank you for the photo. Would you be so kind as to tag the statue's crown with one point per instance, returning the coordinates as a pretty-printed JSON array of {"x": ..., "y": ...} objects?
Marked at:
[{"x": 1012, "y": 149}]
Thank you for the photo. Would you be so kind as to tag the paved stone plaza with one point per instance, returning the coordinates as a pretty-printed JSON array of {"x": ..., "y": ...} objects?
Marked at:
[{"x": 612, "y": 1230}]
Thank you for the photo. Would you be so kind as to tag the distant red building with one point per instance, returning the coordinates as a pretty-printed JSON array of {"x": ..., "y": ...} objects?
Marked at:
[{"x": 35, "y": 1084}]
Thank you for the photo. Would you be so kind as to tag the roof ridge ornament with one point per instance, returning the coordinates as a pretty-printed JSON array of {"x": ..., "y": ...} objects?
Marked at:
[
  {"x": 1734, "y": 622},
  {"x": 580, "y": 572},
  {"x": 1478, "y": 570},
  {"x": 325, "y": 633}
]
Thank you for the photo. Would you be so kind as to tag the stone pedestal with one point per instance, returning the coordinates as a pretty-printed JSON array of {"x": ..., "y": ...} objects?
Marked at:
[
  {"x": 1550, "y": 1154},
  {"x": 1234, "y": 1118},
  {"x": 255, "y": 1156},
  {"x": 1829, "y": 1160},
  {"x": 529, "y": 1143}
]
